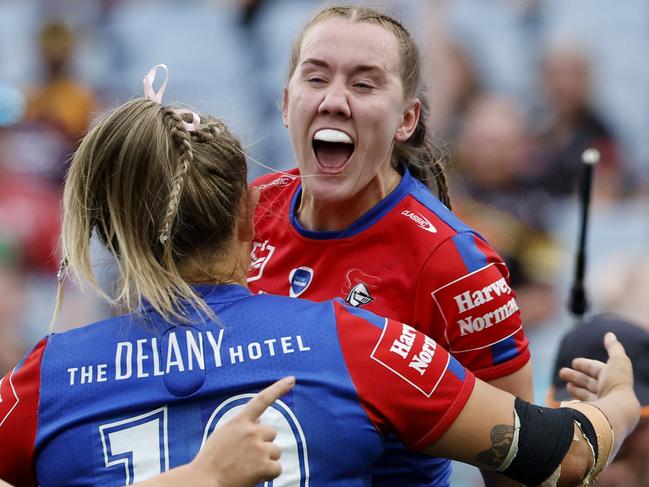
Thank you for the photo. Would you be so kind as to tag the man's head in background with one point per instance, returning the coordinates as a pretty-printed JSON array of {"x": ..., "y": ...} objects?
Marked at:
[{"x": 631, "y": 466}]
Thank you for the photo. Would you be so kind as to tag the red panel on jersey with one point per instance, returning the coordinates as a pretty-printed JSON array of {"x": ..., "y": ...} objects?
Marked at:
[
  {"x": 479, "y": 309},
  {"x": 403, "y": 378},
  {"x": 19, "y": 396},
  {"x": 391, "y": 265},
  {"x": 412, "y": 356}
]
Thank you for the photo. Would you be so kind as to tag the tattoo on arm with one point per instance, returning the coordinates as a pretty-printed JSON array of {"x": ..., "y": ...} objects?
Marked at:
[{"x": 502, "y": 436}]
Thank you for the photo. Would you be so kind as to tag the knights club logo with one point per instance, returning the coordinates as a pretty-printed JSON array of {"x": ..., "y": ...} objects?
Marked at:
[
  {"x": 299, "y": 280},
  {"x": 359, "y": 295},
  {"x": 357, "y": 286}
]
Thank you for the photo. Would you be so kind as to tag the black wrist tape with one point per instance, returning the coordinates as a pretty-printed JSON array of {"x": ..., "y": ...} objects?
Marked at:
[{"x": 544, "y": 439}]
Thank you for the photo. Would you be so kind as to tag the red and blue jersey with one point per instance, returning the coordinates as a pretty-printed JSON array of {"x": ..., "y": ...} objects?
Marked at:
[
  {"x": 408, "y": 258},
  {"x": 121, "y": 400}
]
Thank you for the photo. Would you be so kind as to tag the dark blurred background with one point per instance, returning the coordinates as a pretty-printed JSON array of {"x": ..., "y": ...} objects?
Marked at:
[{"x": 517, "y": 88}]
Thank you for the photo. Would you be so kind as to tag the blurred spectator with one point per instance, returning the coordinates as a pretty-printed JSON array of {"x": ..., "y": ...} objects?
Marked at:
[
  {"x": 622, "y": 284},
  {"x": 451, "y": 75},
  {"x": 453, "y": 84},
  {"x": 60, "y": 100},
  {"x": 630, "y": 468},
  {"x": 572, "y": 125},
  {"x": 494, "y": 151},
  {"x": 60, "y": 104},
  {"x": 30, "y": 213},
  {"x": 37, "y": 150}
]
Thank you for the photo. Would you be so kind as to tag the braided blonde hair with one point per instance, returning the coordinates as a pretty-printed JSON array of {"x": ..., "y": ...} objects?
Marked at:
[{"x": 159, "y": 198}]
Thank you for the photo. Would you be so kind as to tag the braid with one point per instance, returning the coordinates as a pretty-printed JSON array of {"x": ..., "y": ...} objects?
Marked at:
[
  {"x": 208, "y": 132},
  {"x": 182, "y": 141}
]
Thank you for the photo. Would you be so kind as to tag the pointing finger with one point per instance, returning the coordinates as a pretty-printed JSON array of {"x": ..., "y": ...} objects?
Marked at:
[{"x": 258, "y": 404}]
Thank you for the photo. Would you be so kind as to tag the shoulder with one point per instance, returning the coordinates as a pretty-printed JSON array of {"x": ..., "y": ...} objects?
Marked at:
[
  {"x": 424, "y": 223},
  {"x": 289, "y": 309},
  {"x": 19, "y": 402},
  {"x": 276, "y": 181},
  {"x": 432, "y": 208},
  {"x": 113, "y": 326},
  {"x": 275, "y": 192}
]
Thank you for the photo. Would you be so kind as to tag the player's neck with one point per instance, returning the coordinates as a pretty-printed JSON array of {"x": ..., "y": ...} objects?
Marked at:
[
  {"x": 330, "y": 216},
  {"x": 228, "y": 267}
]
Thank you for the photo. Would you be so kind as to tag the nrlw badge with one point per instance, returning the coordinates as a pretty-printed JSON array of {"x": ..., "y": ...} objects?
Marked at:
[
  {"x": 299, "y": 280},
  {"x": 259, "y": 257},
  {"x": 479, "y": 309}
]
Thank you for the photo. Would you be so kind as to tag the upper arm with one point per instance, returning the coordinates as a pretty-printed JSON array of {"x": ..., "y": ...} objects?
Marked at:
[
  {"x": 19, "y": 398},
  {"x": 406, "y": 383},
  {"x": 465, "y": 301}
]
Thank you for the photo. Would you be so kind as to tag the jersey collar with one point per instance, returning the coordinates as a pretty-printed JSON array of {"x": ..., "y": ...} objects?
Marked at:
[
  {"x": 213, "y": 294},
  {"x": 364, "y": 222}
]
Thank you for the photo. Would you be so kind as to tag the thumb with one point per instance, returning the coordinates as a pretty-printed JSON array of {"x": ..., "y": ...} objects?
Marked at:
[{"x": 613, "y": 347}]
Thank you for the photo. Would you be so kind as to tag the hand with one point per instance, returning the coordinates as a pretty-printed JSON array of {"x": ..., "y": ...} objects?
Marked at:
[
  {"x": 241, "y": 453},
  {"x": 590, "y": 379}
]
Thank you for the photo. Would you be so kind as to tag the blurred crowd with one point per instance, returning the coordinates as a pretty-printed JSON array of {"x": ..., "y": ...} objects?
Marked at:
[{"x": 518, "y": 90}]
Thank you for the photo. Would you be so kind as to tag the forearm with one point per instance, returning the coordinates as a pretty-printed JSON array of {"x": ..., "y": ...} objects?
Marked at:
[
  {"x": 519, "y": 384},
  {"x": 621, "y": 408}
]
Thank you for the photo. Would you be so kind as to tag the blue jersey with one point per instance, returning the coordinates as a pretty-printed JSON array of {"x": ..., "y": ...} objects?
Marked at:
[{"x": 124, "y": 399}]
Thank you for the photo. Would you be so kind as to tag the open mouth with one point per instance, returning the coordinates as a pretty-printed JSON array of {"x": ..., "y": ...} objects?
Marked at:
[{"x": 333, "y": 149}]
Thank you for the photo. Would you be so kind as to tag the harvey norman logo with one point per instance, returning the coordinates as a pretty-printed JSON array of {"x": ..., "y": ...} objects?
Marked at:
[
  {"x": 412, "y": 356},
  {"x": 421, "y": 221},
  {"x": 469, "y": 300},
  {"x": 479, "y": 309}
]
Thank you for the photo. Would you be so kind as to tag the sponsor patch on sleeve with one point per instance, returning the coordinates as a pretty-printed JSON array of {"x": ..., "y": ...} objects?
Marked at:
[
  {"x": 411, "y": 355},
  {"x": 479, "y": 309}
]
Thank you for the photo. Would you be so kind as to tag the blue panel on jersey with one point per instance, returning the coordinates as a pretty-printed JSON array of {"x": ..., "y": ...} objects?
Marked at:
[
  {"x": 422, "y": 194},
  {"x": 504, "y": 350},
  {"x": 473, "y": 258},
  {"x": 365, "y": 221},
  {"x": 456, "y": 369},
  {"x": 404, "y": 468},
  {"x": 377, "y": 321}
]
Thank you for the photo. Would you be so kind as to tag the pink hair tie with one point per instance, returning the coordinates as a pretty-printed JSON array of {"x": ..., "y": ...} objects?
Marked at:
[{"x": 151, "y": 94}]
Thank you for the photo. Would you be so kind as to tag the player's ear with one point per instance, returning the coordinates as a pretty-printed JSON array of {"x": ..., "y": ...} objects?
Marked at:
[
  {"x": 409, "y": 120},
  {"x": 246, "y": 212}
]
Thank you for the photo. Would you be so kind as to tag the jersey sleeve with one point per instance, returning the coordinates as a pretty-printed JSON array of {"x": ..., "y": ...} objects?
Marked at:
[
  {"x": 19, "y": 398},
  {"x": 406, "y": 383},
  {"x": 464, "y": 287}
]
